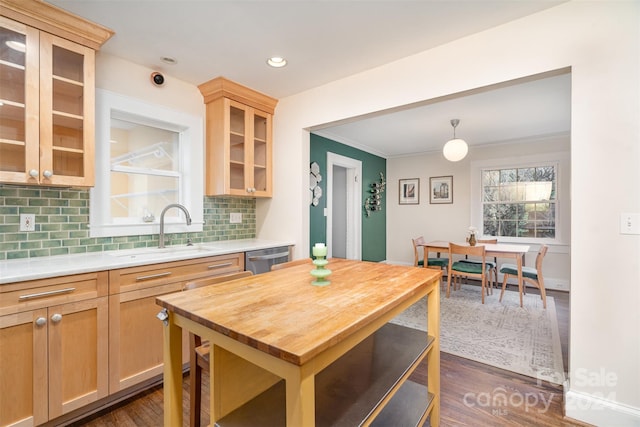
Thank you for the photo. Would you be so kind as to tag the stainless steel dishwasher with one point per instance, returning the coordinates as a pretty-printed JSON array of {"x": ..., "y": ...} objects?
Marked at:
[{"x": 260, "y": 261}]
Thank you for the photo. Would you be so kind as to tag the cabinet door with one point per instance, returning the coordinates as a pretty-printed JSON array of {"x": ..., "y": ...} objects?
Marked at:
[
  {"x": 78, "y": 354},
  {"x": 261, "y": 154},
  {"x": 135, "y": 336},
  {"x": 67, "y": 86},
  {"x": 23, "y": 368},
  {"x": 19, "y": 96},
  {"x": 238, "y": 137}
]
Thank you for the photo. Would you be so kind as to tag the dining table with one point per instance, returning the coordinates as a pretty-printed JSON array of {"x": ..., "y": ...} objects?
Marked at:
[
  {"x": 497, "y": 250},
  {"x": 286, "y": 352}
]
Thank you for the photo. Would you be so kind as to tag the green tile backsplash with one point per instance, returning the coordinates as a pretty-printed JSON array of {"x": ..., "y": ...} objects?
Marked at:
[{"x": 62, "y": 220}]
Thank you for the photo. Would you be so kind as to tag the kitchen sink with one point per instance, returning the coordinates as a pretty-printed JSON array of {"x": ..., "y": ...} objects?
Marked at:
[{"x": 160, "y": 253}]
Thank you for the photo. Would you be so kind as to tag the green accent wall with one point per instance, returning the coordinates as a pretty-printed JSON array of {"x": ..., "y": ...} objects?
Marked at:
[{"x": 374, "y": 227}]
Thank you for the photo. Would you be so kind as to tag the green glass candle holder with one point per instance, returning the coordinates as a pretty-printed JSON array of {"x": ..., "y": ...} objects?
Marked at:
[{"x": 320, "y": 272}]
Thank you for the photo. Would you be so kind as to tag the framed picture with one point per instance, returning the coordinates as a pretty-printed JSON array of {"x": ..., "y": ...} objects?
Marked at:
[
  {"x": 441, "y": 189},
  {"x": 409, "y": 191}
]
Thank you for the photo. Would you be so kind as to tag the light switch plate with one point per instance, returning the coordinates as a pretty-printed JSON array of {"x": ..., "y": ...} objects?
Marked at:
[
  {"x": 235, "y": 218},
  {"x": 27, "y": 222},
  {"x": 629, "y": 223}
]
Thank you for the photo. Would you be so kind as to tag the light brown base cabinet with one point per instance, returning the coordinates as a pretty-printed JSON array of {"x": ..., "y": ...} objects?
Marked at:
[
  {"x": 53, "y": 347},
  {"x": 135, "y": 333},
  {"x": 71, "y": 344}
]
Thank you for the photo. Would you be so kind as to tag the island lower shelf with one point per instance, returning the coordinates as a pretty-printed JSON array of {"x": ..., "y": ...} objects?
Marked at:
[{"x": 368, "y": 384}]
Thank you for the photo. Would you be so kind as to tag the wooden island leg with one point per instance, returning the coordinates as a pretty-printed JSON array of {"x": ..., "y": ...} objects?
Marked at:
[
  {"x": 172, "y": 373},
  {"x": 433, "y": 358},
  {"x": 301, "y": 410}
]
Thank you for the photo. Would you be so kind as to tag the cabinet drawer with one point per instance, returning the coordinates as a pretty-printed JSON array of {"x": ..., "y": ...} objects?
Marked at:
[
  {"x": 35, "y": 294},
  {"x": 145, "y": 276}
]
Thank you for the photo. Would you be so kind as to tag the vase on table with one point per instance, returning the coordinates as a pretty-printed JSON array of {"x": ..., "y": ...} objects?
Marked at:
[
  {"x": 472, "y": 239},
  {"x": 320, "y": 273}
]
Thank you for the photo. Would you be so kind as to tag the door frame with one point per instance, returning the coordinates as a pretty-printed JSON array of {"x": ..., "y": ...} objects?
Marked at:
[{"x": 354, "y": 201}]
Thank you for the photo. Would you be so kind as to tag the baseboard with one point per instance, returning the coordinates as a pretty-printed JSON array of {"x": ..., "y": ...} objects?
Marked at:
[
  {"x": 549, "y": 283},
  {"x": 598, "y": 411}
]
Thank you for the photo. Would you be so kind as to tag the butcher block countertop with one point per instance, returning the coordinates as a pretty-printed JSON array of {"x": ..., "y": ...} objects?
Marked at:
[{"x": 282, "y": 314}]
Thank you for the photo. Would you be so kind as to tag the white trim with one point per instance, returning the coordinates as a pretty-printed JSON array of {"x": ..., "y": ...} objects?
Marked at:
[
  {"x": 190, "y": 129},
  {"x": 561, "y": 160},
  {"x": 599, "y": 411},
  {"x": 549, "y": 283},
  {"x": 354, "y": 201}
]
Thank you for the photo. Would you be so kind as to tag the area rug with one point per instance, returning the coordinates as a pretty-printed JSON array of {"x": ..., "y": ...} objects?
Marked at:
[{"x": 501, "y": 334}]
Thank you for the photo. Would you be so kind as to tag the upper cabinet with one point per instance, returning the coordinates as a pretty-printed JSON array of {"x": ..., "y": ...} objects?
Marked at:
[
  {"x": 239, "y": 140},
  {"x": 47, "y": 94}
]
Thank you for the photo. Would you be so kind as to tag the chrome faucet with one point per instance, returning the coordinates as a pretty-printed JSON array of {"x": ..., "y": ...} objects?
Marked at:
[{"x": 172, "y": 205}]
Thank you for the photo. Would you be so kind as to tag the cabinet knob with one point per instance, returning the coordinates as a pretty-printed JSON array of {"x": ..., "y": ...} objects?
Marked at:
[
  {"x": 47, "y": 174},
  {"x": 41, "y": 321},
  {"x": 33, "y": 173},
  {"x": 57, "y": 317}
]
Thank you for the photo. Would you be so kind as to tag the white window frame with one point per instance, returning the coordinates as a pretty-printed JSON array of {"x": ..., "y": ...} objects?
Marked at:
[
  {"x": 561, "y": 162},
  {"x": 190, "y": 130}
]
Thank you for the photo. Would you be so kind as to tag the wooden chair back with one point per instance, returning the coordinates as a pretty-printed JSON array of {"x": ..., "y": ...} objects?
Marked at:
[
  {"x": 416, "y": 255},
  {"x": 478, "y": 251},
  {"x": 453, "y": 272},
  {"x": 489, "y": 241},
  {"x": 288, "y": 264},
  {"x": 541, "y": 253}
]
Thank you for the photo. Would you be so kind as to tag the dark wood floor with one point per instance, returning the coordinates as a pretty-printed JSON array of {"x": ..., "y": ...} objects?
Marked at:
[{"x": 472, "y": 394}]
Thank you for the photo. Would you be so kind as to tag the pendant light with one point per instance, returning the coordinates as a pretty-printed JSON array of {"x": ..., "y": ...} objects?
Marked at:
[{"x": 455, "y": 149}]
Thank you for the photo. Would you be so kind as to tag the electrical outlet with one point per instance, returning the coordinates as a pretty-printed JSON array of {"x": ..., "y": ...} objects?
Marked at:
[
  {"x": 235, "y": 218},
  {"x": 27, "y": 222},
  {"x": 629, "y": 223}
]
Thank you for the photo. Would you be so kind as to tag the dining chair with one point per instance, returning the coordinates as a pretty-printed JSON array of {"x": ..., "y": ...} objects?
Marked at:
[
  {"x": 435, "y": 262},
  {"x": 461, "y": 268},
  {"x": 531, "y": 275},
  {"x": 199, "y": 350},
  {"x": 291, "y": 264},
  {"x": 493, "y": 264}
]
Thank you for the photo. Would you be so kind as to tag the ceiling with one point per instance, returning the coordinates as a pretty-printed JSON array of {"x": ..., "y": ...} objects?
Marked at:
[{"x": 325, "y": 40}]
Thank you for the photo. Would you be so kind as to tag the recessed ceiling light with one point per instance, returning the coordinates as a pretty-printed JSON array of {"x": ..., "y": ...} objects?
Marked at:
[
  {"x": 277, "y": 62},
  {"x": 16, "y": 45},
  {"x": 169, "y": 60}
]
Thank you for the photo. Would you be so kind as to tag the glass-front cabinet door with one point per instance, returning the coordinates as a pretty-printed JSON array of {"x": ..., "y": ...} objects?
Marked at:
[
  {"x": 66, "y": 112},
  {"x": 261, "y": 153},
  {"x": 46, "y": 108},
  {"x": 249, "y": 136},
  {"x": 238, "y": 133},
  {"x": 19, "y": 83}
]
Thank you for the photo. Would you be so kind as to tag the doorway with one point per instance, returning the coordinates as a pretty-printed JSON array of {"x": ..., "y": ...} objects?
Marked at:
[{"x": 344, "y": 198}]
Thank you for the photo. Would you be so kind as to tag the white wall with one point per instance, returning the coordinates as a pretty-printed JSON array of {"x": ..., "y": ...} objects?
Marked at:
[
  {"x": 126, "y": 78},
  {"x": 600, "y": 42}
]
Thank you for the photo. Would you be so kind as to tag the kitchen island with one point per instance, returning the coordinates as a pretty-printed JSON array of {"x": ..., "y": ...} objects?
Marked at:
[{"x": 310, "y": 347}]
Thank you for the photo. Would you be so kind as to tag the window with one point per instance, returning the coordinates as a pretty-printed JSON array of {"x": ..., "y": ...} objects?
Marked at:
[
  {"x": 519, "y": 202},
  {"x": 147, "y": 157}
]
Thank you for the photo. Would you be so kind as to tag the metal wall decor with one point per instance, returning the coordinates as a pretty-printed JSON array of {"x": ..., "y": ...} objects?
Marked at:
[
  {"x": 314, "y": 183},
  {"x": 373, "y": 202}
]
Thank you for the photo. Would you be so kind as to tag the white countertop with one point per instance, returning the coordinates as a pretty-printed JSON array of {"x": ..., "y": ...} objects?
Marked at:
[{"x": 20, "y": 270}]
